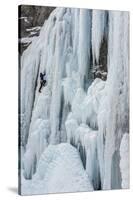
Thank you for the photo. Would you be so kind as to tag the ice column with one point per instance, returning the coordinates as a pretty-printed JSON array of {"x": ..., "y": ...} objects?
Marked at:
[
  {"x": 98, "y": 30},
  {"x": 115, "y": 121},
  {"x": 84, "y": 45}
]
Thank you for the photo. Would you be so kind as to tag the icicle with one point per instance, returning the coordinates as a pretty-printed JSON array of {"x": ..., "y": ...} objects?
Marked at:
[
  {"x": 76, "y": 104},
  {"x": 111, "y": 124},
  {"x": 59, "y": 59},
  {"x": 85, "y": 140},
  {"x": 29, "y": 72},
  {"x": 84, "y": 45},
  {"x": 56, "y": 88},
  {"x": 90, "y": 105},
  {"x": 98, "y": 30}
]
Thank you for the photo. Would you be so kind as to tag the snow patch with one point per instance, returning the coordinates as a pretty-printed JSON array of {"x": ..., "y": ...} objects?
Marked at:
[{"x": 58, "y": 163}]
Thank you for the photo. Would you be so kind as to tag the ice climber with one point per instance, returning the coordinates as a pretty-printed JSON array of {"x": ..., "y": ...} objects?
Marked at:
[{"x": 42, "y": 80}]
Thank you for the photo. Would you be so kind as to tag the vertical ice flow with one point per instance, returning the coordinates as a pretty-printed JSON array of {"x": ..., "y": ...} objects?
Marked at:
[{"x": 93, "y": 118}]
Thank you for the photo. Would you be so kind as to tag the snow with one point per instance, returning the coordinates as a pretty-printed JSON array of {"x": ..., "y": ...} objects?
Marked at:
[
  {"x": 124, "y": 162},
  {"x": 27, "y": 39},
  {"x": 25, "y": 19},
  {"x": 58, "y": 163},
  {"x": 36, "y": 28}
]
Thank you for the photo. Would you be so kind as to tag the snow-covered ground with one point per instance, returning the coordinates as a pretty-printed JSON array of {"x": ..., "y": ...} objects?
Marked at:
[
  {"x": 59, "y": 170},
  {"x": 71, "y": 132}
]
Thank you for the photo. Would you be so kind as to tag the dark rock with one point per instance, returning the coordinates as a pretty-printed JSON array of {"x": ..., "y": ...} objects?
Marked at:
[{"x": 31, "y": 19}]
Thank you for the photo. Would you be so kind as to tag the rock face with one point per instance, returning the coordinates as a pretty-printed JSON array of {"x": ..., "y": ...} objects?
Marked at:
[{"x": 31, "y": 19}]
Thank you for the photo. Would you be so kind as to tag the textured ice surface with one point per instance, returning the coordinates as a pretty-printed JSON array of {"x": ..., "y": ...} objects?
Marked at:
[
  {"x": 91, "y": 103},
  {"x": 38, "y": 141},
  {"x": 98, "y": 31},
  {"x": 91, "y": 115},
  {"x": 113, "y": 112},
  {"x": 59, "y": 170},
  {"x": 124, "y": 162}
]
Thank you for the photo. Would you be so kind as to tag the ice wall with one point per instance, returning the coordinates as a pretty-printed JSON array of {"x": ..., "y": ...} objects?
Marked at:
[
  {"x": 91, "y": 115},
  {"x": 82, "y": 128},
  {"x": 29, "y": 73},
  {"x": 58, "y": 56},
  {"x": 113, "y": 112}
]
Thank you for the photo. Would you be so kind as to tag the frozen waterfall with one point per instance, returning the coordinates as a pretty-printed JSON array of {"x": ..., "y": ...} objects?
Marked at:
[{"x": 75, "y": 121}]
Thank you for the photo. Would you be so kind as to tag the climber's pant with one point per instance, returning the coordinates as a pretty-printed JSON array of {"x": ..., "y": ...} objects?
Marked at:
[{"x": 41, "y": 85}]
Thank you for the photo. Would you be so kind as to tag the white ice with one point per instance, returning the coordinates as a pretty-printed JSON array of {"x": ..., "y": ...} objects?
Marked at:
[
  {"x": 59, "y": 170},
  {"x": 124, "y": 162},
  {"x": 91, "y": 117},
  {"x": 98, "y": 31}
]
